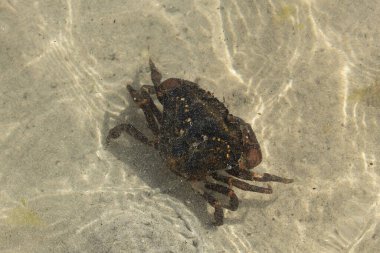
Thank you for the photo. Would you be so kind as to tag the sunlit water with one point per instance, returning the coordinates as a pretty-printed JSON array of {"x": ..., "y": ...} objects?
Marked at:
[{"x": 305, "y": 74}]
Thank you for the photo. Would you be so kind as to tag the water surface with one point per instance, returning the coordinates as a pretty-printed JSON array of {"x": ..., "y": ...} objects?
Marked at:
[{"x": 304, "y": 73}]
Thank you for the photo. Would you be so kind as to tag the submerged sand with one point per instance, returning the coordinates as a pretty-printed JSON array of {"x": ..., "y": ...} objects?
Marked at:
[{"x": 305, "y": 74}]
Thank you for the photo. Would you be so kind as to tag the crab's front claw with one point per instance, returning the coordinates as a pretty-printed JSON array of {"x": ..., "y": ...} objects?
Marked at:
[
  {"x": 251, "y": 156},
  {"x": 154, "y": 74}
]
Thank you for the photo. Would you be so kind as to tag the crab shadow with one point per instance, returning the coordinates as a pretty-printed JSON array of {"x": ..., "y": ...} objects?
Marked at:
[{"x": 149, "y": 166}]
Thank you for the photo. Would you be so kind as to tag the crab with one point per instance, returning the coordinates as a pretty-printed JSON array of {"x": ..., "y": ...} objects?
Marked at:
[{"x": 199, "y": 140}]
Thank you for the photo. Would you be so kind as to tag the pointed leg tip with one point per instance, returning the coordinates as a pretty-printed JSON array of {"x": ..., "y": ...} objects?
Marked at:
[
  {"x": 155, "y": 75},
  {"x": 288, "y": 181},
  {"x": 151, "y": 64}
]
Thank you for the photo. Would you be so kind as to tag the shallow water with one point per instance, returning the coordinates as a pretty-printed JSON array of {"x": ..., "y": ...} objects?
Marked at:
[{"x": 304, "y": 73}]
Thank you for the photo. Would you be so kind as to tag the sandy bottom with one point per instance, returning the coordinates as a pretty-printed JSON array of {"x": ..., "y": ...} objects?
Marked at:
[{"x": 305, "y": 74}]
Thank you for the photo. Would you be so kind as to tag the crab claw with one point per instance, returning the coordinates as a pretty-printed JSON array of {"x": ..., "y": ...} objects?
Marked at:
[
  {"x": 155, "y": 75},
  {"x": 251, "y": 149},
  {"x": 253, "y": 157}
]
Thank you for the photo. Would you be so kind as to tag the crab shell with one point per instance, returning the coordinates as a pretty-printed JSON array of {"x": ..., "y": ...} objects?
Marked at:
[{"x": 251, "y": 153}]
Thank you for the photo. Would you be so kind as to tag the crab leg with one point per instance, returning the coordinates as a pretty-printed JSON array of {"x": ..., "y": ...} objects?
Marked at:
[
  {"x": 150, "y": 90},
  {"x": 234, "y": 201},
  {"x": 131, "y": 130},
  {"x": 154, "y": 74},
  {"x": 145, "y": 102},
  {"x": 241, "y": 185},
  {"x": 253, "y": 176},
  {"x": 199, "y": 186},
  {"x": 218, "y": 213}
]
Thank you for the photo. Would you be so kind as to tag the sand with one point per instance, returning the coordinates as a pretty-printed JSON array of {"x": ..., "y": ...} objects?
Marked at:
[{"x": 304, "y": 73}]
